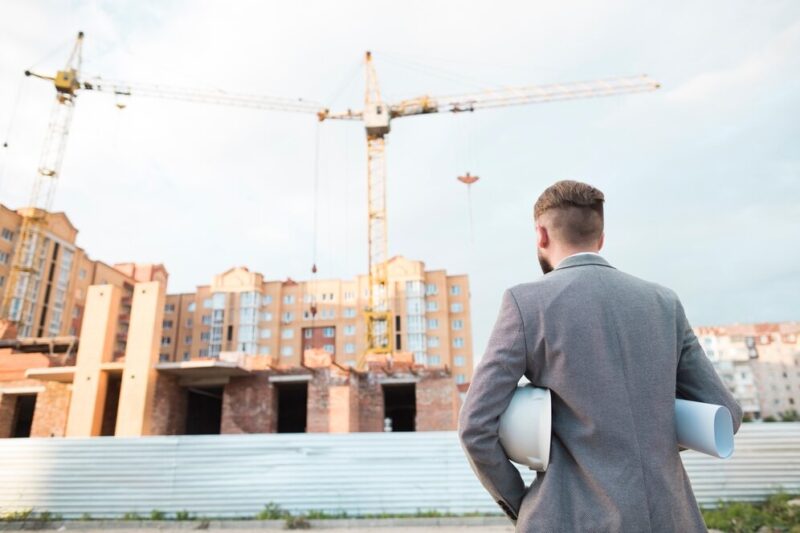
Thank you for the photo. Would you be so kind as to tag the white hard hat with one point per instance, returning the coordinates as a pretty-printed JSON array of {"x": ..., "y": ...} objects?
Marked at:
[{"x": 525, "y": 427}]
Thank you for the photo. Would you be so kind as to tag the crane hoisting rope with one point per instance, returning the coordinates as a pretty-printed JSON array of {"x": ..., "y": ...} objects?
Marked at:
[
  {"x": 11, "y": 123},
  {"x": 469, "y": 180},
  {"x": 315, "y": 228}
]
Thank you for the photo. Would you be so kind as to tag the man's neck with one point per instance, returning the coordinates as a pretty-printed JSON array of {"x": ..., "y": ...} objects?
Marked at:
[{"x": 569, "y": 253}]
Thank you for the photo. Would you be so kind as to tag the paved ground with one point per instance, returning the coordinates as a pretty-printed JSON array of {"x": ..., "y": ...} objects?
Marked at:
[
  {"x": 389, "y": 525},
  {"x": 411, "y": 529}
]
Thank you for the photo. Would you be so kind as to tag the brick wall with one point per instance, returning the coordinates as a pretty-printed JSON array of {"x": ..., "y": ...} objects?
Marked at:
[
  {"x": 437, "y": 403},
  {"x": 355, "y": 422},
  {"x": 7, "y": 405},
  {"x": 370, "y": 403},
  {"x": 169, "y": 407},
  {"x": 248, "y": 405},
  {"x": 52, "y": 408},
  {"x": 318, "y": 402},
  {"x": 50, "y": 413}
]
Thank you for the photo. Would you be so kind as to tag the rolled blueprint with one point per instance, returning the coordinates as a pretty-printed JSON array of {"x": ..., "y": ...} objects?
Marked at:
[
  {"x": 525, "y": 427},
  {"x": 704, "y": 427}
]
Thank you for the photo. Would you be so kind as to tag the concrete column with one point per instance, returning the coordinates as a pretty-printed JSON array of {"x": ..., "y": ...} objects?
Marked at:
[
  {"x": 339, "y": 397},
  {"x": 141, "y": 355},
  {"x": 96, "y": 347}
]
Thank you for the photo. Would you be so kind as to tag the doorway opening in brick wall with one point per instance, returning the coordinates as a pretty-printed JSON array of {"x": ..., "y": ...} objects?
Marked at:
[
  {"x": 24, "y": 406},
  {"x": 203, "y": 410},
  {"x": 400, "y": 406},
  {"x": 292, "y": 399},
  {"x": 111, "y": 405}
]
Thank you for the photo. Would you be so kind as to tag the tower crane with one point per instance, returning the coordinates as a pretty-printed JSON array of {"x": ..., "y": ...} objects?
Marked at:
[
  {"x": 377, "y": 116},
  {"x": 25, "y": 277},
  {"x": 19, "y": 296}
]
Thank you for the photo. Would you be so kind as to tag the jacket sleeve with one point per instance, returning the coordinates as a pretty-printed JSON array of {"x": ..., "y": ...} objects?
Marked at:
[
  {"x": 696, "y": 378},
  {"x": 493, "y": 384}
]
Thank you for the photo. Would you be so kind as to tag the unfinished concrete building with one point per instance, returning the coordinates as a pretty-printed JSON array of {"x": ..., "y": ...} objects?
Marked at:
[
  {"x": 105, "y": 351},
  {"x": 51, "y": 390}
]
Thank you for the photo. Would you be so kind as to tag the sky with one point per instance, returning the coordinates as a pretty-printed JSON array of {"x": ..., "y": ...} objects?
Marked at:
[{"x": 702, "y": 177}]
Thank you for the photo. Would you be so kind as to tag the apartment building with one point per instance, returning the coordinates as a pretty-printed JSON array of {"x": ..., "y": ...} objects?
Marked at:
[
  {"x": 64, "y": 277},
  {"x": 760, "y": 363},
  {"x": 241, "y": 311}
]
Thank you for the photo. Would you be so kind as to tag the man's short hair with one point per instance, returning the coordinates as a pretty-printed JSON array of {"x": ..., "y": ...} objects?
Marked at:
[{"x": 574, "y": 212}]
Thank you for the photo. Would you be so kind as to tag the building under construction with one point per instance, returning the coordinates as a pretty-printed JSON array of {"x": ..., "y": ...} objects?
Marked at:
[
  {"x": 105, "y": 351},
  {"x": 387, "y": 349}
]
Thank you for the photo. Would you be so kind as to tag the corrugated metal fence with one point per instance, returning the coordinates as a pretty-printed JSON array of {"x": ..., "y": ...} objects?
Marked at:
[{"x": 235, "y": 475}]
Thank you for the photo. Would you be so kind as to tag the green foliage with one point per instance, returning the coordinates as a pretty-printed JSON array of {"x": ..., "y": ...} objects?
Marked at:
[
  {"x": 18, "y": 515},
  {"x": 273, "y": 511},
  {"x": 47, "y": 516},
  {"x": 297, "y": 522},
  {"x": 155, "y": 514},
  {"x": 741, "y": 517},
  {"x": 183, "y": 515},
  {"x": 770, "y": 418},
  {"x": 790, "y": 416},
  {"x": 431, "y": 513},
  {"x": 131, "y": 515},
  {"x": 318, "y": 514},
  {"x": 86, "y": 516}
]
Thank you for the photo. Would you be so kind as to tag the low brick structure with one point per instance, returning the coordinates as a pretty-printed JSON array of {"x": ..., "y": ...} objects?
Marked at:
[
  {"x": 338, "y": 400},
  {"x": 84, "y": 389}
]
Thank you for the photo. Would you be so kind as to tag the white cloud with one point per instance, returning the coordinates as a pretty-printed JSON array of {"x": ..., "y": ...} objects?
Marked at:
[{"x": 752, "y": 74}]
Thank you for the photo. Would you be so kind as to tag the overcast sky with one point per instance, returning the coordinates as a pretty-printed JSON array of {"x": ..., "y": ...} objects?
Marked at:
[{"x": 702, "y": 178}]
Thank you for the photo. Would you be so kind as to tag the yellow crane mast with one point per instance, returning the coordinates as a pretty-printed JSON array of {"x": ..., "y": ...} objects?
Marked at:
[
  {"x": 25, "y": 276},
  {"x": 377, "y": 116},
  {"x": 24, "y": 282}
]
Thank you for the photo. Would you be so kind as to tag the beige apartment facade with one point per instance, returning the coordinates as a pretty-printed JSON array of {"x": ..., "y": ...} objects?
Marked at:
[
  {"x": 240, "y": 311},
  {"x": 65, "y": 275},
  {"x": 760, "y": 363}
]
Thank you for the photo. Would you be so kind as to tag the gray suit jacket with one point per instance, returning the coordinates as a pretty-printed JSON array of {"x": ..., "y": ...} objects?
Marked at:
[{"x": 615, "y": 351}]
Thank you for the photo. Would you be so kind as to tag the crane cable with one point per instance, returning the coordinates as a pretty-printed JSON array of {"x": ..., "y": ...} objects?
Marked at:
[
  {"x": 15, "y": 107},
  {"x": 11, "y": 123},
  {"x": 315, "y": 226}
]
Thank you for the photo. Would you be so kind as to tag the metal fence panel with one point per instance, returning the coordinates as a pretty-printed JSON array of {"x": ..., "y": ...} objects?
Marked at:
[{"x": 360, "y": 473}]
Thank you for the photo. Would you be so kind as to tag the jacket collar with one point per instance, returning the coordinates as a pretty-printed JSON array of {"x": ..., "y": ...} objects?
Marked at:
[{"x": 582, "y": 260}]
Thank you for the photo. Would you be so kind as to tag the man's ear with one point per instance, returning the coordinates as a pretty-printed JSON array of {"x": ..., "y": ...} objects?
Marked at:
[
  {"x": 602, "y": 240},
  {"x": 542, "y": 238}
]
